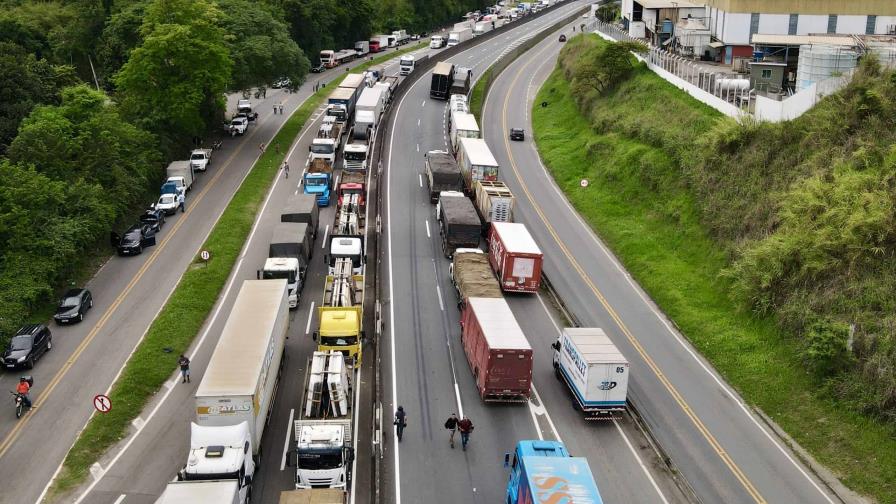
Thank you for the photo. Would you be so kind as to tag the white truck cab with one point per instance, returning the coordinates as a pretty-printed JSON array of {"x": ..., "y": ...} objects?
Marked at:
[
  {"x": 406, "y": 64},
  {"x": 221, "y": 453},
  {"x": 436, "y": 42},
  {"x": 322, "y": 148},
  {"x": 287, "y": 268},
  {"x": 354, "y": 156}
]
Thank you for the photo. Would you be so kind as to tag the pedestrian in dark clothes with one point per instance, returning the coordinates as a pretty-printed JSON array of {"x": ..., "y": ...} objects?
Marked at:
[
  {"x": 281, "y": 109},
  {"x": 184, "y": 364},
  {"x": 466, "y": 427},
  {"x": 451, "y": 425}
]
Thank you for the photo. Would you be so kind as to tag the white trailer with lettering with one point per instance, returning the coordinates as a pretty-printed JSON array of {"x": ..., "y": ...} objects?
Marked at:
[{"x": 594, "y": 369}]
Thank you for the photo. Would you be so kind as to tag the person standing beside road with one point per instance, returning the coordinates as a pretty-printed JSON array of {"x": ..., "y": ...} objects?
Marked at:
[
  {"x": 281, "y": 108},
  {"x": 182, "y": 201},
  {"x": 451, "y": 425},
  {"x": 184, "y": 364},
  {"x": 286, "y": 169},
  {"x": 261, "y": 147},
  {"x": 400, "y": 422},
  {"x": 275, "y": 109},
  {"x": 466, "y": 427}
]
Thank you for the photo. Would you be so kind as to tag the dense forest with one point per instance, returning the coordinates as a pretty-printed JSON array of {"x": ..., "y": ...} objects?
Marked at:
[
  {"x": 96, "y": 96},
  {"x": 804, "y": 211}
]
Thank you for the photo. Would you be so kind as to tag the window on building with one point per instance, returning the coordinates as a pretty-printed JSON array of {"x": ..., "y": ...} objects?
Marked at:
[
  {"x": 870, "y": 24},
  {"x": 766, "y": 74},
  {"x": 832, "y": 23},
  {"x": 754, "y": 24},
  {"x": 791, "y": 28}
]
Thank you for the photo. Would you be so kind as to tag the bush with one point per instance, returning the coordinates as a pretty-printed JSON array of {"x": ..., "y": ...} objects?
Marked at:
[{"x": 826, "y": 347}]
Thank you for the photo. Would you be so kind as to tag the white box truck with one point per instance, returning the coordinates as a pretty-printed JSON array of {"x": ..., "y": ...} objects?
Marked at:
[
  {"x": 192, "y": 492},
  {"x": 476, "y": 162},
  {"x": 180, "y": 173},
  {"x": 463, "y": 125},
  {"x": 372, "y": 99},
  {"x": 593, "y": 368},
  {"x": 456, "y": 37}
]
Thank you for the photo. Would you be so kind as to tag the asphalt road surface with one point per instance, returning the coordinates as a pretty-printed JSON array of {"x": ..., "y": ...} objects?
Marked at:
[
  {"x": 426, "y": 367},
  {"x": 725, "y": 452}
]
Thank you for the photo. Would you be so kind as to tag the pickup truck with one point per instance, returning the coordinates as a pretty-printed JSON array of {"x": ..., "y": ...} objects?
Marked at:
[{"x": 200, "y": 159}]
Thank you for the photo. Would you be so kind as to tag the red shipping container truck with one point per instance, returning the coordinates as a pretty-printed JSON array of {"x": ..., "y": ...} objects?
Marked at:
[
  {"x": 497, "y": 350},
  {"x": 514, "y": 257}
]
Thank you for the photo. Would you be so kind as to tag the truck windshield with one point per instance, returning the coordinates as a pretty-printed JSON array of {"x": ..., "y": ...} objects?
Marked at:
[
  {"x": 197, "y": 157},
  {"x": 354, "y": 156},
  {"x": 314, "y": 182},
  {"x": 322, "y": 148},
  {"x": 319, "y": 460},
  {"x": 290, "y": 276},
  {"x": 338, "y": 341}
]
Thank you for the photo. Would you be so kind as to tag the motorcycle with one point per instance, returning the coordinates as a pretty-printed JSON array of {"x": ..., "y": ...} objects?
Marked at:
[{"x": 20, "y": 403}]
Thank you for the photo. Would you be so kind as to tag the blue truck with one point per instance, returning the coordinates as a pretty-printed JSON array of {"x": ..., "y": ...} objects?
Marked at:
[
  {"x": 318, "y": 180},
  {"x": 544, "y": 472}
]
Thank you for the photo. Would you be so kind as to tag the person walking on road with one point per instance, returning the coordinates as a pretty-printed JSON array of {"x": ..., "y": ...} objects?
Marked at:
[
  {"x": 281, "y": 108},
  {"x": 451, "y": 425},
  {"x": 466, "y": 427},
  {"x": 400, "y": 422},
  {"x": 182, "y": 202},
  {"x": 261, "y": 147},
  {"x": 275, "y": 109},
  {"x": 184, "y": 364},
  {"x": 286, "y": 169}
]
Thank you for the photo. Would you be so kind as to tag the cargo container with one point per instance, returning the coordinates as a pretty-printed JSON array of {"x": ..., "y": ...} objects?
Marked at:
[
  {"x": 442, "y": 78},
  {"x": 494, "y": 202},
  {"x": 302, "y": 208},
  {"x": 463, "y": 125},
  {"x": 442, "y": 174},
  {"x": 536, "y": 462},
  {"x": 459, "y": 225},
  {"x": 595, "y": 371},
  {"x": 497, "y": 350},
  {"x": 515, "y": 257},
  {"x": 476, "y": 162},
  {"x": 472, "y": 276},
  {"x": 193, "y": 492},
  {"x": 313, "y": 496}
]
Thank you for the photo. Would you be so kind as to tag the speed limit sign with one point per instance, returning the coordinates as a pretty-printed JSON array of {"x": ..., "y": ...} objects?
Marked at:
[
  {"x": 584, "y": 182},
  {"x": 205, "y": 255}
]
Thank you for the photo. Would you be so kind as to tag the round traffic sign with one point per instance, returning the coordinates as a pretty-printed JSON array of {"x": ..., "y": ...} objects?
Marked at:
[
  {"x": 584, "y": 183},
  {"x": 102, "y": 403},
  {"x": 205, "y": 255}
]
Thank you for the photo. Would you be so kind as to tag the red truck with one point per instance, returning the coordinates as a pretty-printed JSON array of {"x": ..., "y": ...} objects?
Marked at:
[
  {"x": 352, "y": 183},
  {"x": 497, "y": 350},
  {"x": 514, "y": 257}
]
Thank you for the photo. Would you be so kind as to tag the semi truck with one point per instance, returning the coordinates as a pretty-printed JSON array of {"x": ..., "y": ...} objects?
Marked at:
[
  {"x": 302, "y": 208},
  {"x": 442, "y": 77},
  {"x": 442, "y": 174},
  {"x": 200, "y": 159},
  {"x": 323, "y": 451},
  {"x": 459, "y": 224},
  {"x": 181, "y": 174},
  {"x": 318, "y": 180},
  {"x": 381, "y": 42},
  {"x": 331, "y": 59},
  {"x": 458, "y": 36},
  {"x": 190, "y": 492},
  {"x": 595, "y": 371},
  {"x": 401, "y": 37},
  {"x": 371, "y": 100},
  {"x": 387, "y": 84},
  {"x": 354, "y": 154},
  {"x": 362, "y": 48},
  {"x": 234, "y": 398},
  {"x": 347, "y": 236},
  {"x": 341, "y": 104},
  {"x": 498, "y": 352},
  {"x": 461, "y": 82},
  {"x": 289, "y": 253},
  {"x": 515, "y": 257},
  {"x": 313, "y": 496},
  {"x": 537, "y": 462},
  {"x": 472, "y": 276},
  {"x": 463, "y": 125},
  {"x": 476, "y": 162},
  {"x": 332, "y": 129},
  {"x": 406, "y": 64},
  {"x": 494, "y": 202},
  {"x": 341, "y": 314},
  {"x": 322, "y": 149}
]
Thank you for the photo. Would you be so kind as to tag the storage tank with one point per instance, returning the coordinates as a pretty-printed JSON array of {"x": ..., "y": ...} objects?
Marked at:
[
  {"x": 731, "y": 85},
  {"x": 693, "y": 36},
  {"x": 821, "y": 62}
]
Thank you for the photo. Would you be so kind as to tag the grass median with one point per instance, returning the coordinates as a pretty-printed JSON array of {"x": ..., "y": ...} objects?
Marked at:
[
  {"x": 657, "y": 234},
  {"x": 191, "y": 303}
]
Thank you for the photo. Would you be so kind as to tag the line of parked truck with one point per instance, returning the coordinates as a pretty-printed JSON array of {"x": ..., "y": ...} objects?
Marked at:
[{"x": 330, "y": 58}]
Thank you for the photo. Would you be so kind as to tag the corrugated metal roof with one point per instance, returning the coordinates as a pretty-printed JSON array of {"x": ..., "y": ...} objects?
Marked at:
[
  {"x": 499, "y": 326},
  {"x": 795, "y": 40},
  {"x": 516, "y": 237}
]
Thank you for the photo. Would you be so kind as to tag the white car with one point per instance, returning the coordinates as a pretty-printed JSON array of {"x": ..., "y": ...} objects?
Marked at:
[
  {"x": 238, "y": 125},
  {"x": 167, "y": 203}
]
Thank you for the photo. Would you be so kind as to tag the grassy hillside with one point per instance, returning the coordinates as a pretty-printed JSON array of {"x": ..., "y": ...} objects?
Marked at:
[{"x": 763, "y": 242}]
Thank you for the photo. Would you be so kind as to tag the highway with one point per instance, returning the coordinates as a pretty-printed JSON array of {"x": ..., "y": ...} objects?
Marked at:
[
  {"x": 426, "y": 367},
  {"x": 137, "y": 470},
  {"x": 723, "y": 449}
]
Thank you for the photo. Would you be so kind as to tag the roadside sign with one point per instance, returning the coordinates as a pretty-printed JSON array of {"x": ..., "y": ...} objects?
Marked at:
[
  {"x": 205, "y": 255},
  {"x": 102, "y": 403},
  {"x": 584, "y": 183}
]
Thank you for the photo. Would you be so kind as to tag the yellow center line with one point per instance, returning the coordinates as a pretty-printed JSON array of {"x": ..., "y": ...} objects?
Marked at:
[
  {"x": 701, "y": 427},
  {"x": 17, "y": 429}
]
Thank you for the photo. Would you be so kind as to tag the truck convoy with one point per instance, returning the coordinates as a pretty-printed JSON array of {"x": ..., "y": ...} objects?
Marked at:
[
  {"x": 442, "y": 174},
  {"x": 476, "y": 162},
  {"x": 340, "y": 316},
  {"x": 459, "y": 225},
  {"x": 537, "y": 462},
  {"x": 515, "y": 257},
  {"x": 442, "y": 78},
  {"x": 234, "y": 399},
  {"x": 288, "y": 256},
  {"x": 499, "y": 355},
  {"x": 595, "y": 371},
  {"x": 323, "y": 452},
  {"x": 200, "y": 159}
]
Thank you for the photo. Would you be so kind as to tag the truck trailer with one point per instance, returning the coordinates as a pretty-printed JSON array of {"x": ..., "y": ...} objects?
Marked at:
[
  {"x": 442, "y": 78},
  {"x": 515, "y": 257},
  {"x": 457, "y": 36},
  {"x": 499, "y": 355},
  {"x": 192, "y": 492},
  {"x": 302, "y": 208},
  {"x": 442, "y": 174},
  {"x": 595, "y": 371},
  {"x": 463, "y": 125},
  {"x": 494, "y": 202},
  {"x": 472, "y": 276},
  {"x": 313, "y": 496},
  {"x": 289, "y": 253},
  {"x": 461, "y": 82},
  {"x": 536, "y": 462},
  {"x": 459, "y": 224},
  {"x": 476, "y": 162}
]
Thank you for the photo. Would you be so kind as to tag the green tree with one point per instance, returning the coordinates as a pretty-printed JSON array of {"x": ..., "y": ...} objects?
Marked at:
[
  {"x": 120, "y": 36},
  {"x": 174, "y": 82}
]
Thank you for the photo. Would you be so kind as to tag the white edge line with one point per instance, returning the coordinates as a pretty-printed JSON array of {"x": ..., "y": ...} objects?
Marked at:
[
  {"x": 326, "y": 232},
  {"x": 120, "y": 499},
  {"x": 427, "y": 228},
  {"x": 310, "y": 316},
  {"x": 292, "y": 413}
]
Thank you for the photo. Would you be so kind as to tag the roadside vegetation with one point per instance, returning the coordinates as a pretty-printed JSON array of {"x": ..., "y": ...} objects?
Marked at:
[
  {"x": 179, "y": 321},
  {"x": 769, "y": 245},
  {"x": 93, "y": 106}
]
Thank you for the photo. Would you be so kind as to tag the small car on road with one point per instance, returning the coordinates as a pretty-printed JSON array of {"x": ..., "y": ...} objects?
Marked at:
[
  {"x": 134, "y": 240},
  {"x": 517, "y": 134},
  {"x": 562, "y": 38},
  {"x": 154, "y": 218},
  {"x": 318, "y": 69},
  {"x": 73, "y": 306},
  {"x": 30, "y": 343}
]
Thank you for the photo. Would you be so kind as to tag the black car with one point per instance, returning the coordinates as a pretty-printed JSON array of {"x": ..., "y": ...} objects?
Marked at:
[
  {"x": 154, "y": 218},
  {"x": 28, "y": 345},
  {"x": 562, "y": 38},
  {"x": 517, "y": 134},
  {"x": 318, "y": 69},
  {"x": 134, "y": 240},
  {"x": 73, "y": 306}
]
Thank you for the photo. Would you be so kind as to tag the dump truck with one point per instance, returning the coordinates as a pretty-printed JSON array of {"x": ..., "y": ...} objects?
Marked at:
[
  {"x": 515, "y": 257},
  {"x": 535, "y": 462},
  {"x": 323, "y": 451},
  {"x": 595, "y": 371},
  {"x": 442, "y": 174},
  {"x": 302, "y": 208},
  {"x": 442, "y": 78},
  {"x": 313, "y": 496},
  {"x": 341, "y": 314},
  {"x": 476, "y": 162},
  {"x": 289, "y": 253},
  {"x": 234, "y": 398},
  {"x": 463, "y": 125},
  {"x": 494, "y": 202},
  {"x": 498, "y": 352},
  {"x": 472, "y": 276},
  {"x": 459, "y": 224},
  {"x": 317, "y": 181}
]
